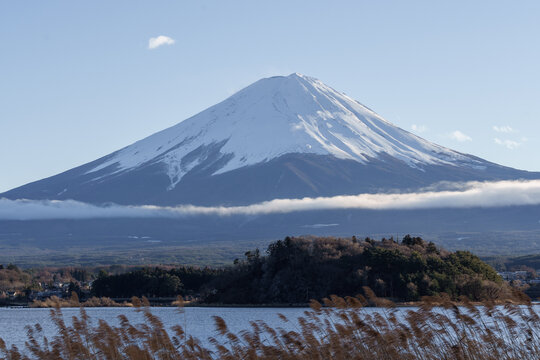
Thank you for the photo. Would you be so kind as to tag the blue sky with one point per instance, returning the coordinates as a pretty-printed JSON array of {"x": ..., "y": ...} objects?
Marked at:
[{"x": 78, "y": 80}]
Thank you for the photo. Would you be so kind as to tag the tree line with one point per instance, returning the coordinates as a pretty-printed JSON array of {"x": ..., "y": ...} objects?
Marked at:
[{"x": 297, "y": 269}]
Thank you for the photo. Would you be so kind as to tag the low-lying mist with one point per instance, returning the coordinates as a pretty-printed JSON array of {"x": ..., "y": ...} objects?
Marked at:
[{"x": 460, "y": 195}]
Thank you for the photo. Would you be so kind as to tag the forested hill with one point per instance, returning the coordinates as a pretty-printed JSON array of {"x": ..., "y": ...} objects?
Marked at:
[{"x": 295, "y": 270}]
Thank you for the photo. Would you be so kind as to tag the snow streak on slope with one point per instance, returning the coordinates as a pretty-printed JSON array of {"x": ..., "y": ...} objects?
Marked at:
[{"x": 277, "y": 116}]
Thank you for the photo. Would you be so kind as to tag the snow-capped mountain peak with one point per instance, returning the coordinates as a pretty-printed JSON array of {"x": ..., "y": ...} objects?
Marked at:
[{"x": 273, "y": 117}]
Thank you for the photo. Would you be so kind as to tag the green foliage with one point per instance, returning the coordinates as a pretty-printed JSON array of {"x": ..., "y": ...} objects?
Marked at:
[
  {"x": 147, "y": 282},
  {"x": 411, "y": 241},
  {"x": 13, "y": 267},
  {"x": 298, "y": 269},
  {"x": 152, "y": 282}
]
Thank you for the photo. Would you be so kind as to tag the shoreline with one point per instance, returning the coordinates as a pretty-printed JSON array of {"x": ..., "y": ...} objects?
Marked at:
[{"x": 247, "y": 306}]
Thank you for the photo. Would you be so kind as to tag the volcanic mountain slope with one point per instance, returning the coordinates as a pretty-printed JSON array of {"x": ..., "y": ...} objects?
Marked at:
[{"x": 281, "y": 137}]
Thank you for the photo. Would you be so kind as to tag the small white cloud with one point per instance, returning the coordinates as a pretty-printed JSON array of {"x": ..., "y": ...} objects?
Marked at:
[
  {"x": 418, "y": 128},
  {"x": 459, "y": 136},
  {"x": 504, "y": 129},
  {"x": 509, "y": 144},
  {"x": 156, "y": 42}
]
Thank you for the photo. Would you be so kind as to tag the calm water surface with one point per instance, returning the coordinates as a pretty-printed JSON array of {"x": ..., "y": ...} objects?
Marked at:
[{"x": 196, "y": 321}]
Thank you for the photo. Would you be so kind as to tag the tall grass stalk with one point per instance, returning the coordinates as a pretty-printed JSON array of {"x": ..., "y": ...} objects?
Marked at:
[{"x": 339, "y": 328}]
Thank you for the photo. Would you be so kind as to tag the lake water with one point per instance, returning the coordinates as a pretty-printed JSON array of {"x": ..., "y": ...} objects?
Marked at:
[{"x": 196, "y": 321}]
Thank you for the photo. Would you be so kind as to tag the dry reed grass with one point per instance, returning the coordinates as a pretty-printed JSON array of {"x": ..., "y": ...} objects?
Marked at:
[
  {"x": 340, "y": 328},
  {"x": 73, "y": 301}
]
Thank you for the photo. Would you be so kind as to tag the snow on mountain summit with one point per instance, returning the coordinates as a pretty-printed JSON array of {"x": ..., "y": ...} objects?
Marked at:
[{"x": 277, "y": 116}]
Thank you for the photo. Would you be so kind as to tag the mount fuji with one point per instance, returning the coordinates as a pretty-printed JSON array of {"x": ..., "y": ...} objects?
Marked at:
[
  {"x": 281, "y": 137},
  {"x": 285, "y": 137}
]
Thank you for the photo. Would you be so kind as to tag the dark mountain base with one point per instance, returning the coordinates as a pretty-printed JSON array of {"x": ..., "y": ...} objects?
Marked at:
[
  {"x": 289, "y": 176},
  {"x": 218, "y": 240}
]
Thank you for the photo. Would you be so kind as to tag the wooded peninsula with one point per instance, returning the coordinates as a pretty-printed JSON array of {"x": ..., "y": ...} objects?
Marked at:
[{"x": 290, "y": 272}]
